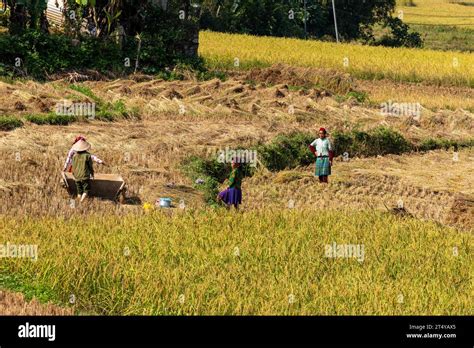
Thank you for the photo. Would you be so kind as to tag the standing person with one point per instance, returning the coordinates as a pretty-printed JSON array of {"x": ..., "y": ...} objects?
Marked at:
[
  {"x": 82, "y": 168},
  {"x": 67, "y": 165},
  {"x": 233, "y": 194},
  {"x": 322, "y": 149}
]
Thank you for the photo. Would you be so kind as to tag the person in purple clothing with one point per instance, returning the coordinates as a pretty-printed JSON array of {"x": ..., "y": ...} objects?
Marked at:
[{"x": 233, "y": 194}]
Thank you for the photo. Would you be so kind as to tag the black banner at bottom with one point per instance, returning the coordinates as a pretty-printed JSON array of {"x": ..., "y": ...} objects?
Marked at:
[{"x": 194, "y": 331}]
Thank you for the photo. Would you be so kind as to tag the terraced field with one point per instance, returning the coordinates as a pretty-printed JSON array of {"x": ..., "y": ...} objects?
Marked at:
[
  {"x": 413, "y": 217},
  {"x": 366, "y": 62},
  {"x": 184, "y": 117},
  {"x": 456, "y": 13}
]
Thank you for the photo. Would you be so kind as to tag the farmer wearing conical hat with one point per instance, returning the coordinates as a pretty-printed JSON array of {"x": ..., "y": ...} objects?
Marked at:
[
  {"x": 322, "y": 149},
  {"x": 71, "y": 153},
  {"x": 82, "y": 168}
]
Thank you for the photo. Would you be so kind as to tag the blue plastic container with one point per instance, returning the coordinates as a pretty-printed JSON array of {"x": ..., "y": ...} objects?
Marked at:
[{"x": 165, "y": 202}]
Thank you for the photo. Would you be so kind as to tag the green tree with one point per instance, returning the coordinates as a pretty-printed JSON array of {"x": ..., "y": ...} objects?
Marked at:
[
  {"x": 399, "y": 35},
  {"x": 300, "y": 18},
  {"x": 27, "y": 14}
]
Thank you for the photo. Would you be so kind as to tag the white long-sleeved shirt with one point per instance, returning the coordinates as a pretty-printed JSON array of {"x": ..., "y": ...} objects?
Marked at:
[
  {"x": 71, "y": 154},
  {"x": 323, "y": 146}
]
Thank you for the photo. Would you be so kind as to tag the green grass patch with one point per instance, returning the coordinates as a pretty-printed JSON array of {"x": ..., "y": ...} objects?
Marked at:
[
  {"x": 18, "y": 283},
  {"x": 291, "y": 150},
  {"x": 379, "y": 141},
  {"x": 8, "y": 123},
  {"x": 434, "y": 144},
  {"x": 207, "y": 174},
  {"x": 115, "y": 111},
  {"x": 87, "y": 92},
  {"x": 107, "y": 111},
  {"x": 51, "y": 119},
  {"x": 286, "y": 151},
  {"x": 206, "y": 75},
  {"x": 445, "y": 38},
  {"x": 360, "y": 97}
]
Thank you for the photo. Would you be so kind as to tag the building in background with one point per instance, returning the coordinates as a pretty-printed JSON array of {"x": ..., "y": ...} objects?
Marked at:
[{"x": 54, "y": 12}]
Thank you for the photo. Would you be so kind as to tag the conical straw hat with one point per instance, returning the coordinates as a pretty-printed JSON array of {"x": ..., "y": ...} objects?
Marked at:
[{"x": 81, "y": 145}]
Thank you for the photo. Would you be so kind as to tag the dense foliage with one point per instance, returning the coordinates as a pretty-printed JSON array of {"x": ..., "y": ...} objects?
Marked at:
[
  {"x": 107, "y": 36},
  {"x": 315, "y": 19}
]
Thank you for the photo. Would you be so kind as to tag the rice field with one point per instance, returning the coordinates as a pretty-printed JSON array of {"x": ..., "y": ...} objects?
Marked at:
[
  {"x": 236, "y": 51},
  {"x": 253, "y": 262},
  {"x": 458, "y": 13},
  {"x": 266, "y": 259}
]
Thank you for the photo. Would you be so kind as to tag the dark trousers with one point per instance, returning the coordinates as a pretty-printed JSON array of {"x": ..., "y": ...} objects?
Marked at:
[
  {"x": 83, "y": 186},
  {"x": 323, "y": 178}
]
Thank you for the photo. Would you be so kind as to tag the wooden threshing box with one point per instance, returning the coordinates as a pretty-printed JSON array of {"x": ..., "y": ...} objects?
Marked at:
[{"x": 107, "y": 186}]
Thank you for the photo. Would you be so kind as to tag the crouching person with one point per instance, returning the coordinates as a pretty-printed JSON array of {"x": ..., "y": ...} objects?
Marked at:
[
  {"x": 233, "y": 194},
  {"x": 82, "y": 168}
]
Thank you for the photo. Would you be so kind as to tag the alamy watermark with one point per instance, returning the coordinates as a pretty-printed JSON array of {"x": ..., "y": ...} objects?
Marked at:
[
  {"x": 239, "y": 156},
  {"x": 345, "y": 251},
  {"x": 66, "y": 108},
  {"x": 9, "y": 250},
  {"x": 401, "y": 109},
  {"x": 37, "y": 331}
]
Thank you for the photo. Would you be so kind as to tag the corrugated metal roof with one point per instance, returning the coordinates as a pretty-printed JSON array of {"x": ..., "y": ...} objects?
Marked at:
[{"x": 54, "y": 13}]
